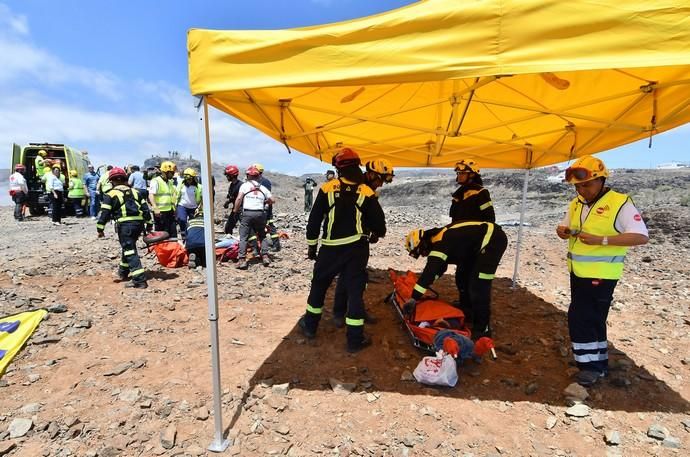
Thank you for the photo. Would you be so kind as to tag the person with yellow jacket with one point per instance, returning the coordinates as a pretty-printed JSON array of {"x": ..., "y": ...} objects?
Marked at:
[
  {"x": 162, "y": 196},
  {"x": 600, "y": 225},
  {"x": 350, "y": 214},
  {"x": 40, "y": 163},
  {"x": 76, "y": 193},
  {"x": 188, "y": 199}
]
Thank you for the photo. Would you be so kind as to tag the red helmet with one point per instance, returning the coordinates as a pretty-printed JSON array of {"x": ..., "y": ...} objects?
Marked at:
[
  {"x": 232, "y": 170},
  {"x": 253, "y": 171},
  {"x": 19, "y": 167},
  {"x": 346, "y": 158},
  {"x": 117, "y": 173}
]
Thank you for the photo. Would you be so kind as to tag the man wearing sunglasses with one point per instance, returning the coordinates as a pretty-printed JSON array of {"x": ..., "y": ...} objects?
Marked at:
[{"x": 600, "y": 225}]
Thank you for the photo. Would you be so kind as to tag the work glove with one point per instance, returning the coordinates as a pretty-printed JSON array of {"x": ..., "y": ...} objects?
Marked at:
[
  {"x": 311, "y": 252},
  {"x": 101, "y": 234},
  {"x": 226, "y": 205},
  {"x": 450, "y": 346},
  {"x": 409, "y": 308},
  {"x": 373, "y": 238},
  {"x": 149, "y": 228}
]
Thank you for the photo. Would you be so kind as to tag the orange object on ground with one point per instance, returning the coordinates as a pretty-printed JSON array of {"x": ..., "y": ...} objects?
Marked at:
[
  {"x": 170, "y": 254},
  {"x": 430, "y": 316}
]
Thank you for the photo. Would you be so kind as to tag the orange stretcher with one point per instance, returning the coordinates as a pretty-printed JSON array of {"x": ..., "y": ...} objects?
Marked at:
[{"x": 428, "y": 317}]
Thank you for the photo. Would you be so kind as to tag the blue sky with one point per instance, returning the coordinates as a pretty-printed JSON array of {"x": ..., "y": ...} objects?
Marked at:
[{"x": 111, "y": 77}]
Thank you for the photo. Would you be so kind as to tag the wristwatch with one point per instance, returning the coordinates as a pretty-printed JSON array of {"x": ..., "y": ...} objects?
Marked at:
[{"x": 605, "y": 241}]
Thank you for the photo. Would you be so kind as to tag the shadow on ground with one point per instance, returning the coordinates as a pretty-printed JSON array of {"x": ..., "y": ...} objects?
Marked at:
[{"x": 533, "y": 363}]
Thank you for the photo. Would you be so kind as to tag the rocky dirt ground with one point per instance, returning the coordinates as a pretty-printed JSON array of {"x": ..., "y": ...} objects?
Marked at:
[{"x": 128, "y": 372}]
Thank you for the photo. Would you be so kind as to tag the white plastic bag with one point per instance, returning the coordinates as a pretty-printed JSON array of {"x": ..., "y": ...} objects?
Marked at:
[{"x": 438, "y": 370}]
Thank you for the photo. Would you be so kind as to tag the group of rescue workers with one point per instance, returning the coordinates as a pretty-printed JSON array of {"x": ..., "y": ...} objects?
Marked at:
[{"x": 600, "y": 224}]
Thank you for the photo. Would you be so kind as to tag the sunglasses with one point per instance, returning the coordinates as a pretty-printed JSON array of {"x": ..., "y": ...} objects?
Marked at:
[{"x": 577, "y": 173}]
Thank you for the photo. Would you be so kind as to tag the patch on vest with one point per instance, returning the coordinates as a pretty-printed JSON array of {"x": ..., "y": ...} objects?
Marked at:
[{"x": 603, "y": 209}]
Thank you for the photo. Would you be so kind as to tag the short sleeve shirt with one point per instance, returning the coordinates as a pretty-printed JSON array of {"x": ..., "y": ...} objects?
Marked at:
[{"x": 255, "y": 195}]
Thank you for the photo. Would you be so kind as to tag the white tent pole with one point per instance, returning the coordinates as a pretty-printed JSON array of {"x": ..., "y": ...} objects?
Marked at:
[
  {"x": 218, "y": 444},
  {"x": 522, "y": 218}
]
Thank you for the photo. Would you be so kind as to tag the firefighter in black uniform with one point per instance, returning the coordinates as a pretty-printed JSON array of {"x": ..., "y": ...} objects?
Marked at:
[
  {"x": 477, "y": 247},
  {"x": 471, "y": 202},
  {"x": 130, "y": 212},
  {"x": 378, "y": 172},
  {"x": 232, "y": 174},
  {"x": 349, "y": 214}
]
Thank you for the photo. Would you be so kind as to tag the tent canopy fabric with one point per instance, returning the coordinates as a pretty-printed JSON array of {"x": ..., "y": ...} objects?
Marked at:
[{"x": 507, "y": 83}]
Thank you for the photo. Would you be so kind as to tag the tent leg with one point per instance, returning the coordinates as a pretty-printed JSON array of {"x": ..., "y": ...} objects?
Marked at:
[
  {"x": 522, "y": 218},
  {"x": 219, "y": 444}
]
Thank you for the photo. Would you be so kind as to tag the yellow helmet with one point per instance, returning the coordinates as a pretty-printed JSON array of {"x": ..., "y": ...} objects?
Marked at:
[
  {"x": 42, "y": 153},
  {"x": 57, "y": 165},
  {"x": 190, "y": 172},
  {"x": 259, "y": 167},
  {"x": 585, "y": 169},
  {"x": 73, "y": 173},
  {"x": 467, "y": 165},
  {"x": 412, "y": 242},
  {"x": 382, "y": 167},
  {"x": 167, "y": 166}
]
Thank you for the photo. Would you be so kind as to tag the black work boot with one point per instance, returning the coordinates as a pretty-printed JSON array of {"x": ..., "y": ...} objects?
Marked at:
[
  {"x": 308, "y": 333},
  {"x": 356, "y": 346},
  {"x": 137, "y": 285},
  {"x": 242, "y": 264}
]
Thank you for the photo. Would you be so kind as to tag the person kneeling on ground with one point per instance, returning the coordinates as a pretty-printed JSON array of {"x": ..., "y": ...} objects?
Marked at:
[
  {"x": 195, "y": 242},
  {"x": 130, "y": 211}
]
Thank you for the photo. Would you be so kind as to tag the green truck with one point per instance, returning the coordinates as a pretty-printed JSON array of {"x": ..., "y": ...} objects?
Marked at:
[{"x": 69, "y": 159}]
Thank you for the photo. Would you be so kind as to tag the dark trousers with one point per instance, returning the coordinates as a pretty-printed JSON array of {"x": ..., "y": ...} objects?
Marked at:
[
  {"x": 474, "y": 282},
  {"x": 252, "y": 221},
  {"x": 183, "y": 215},
  {"x": 273, "y": 234},
  {"x": 589, "y": 308},
  {"x": 19, "y": 199},
  {"x": 78, "y": 207},
  {"x": 130, "y": 264},
  {"x": 165, "y": 222},
  {"x": 308, "y": 200},
  {"x": 350, "y": 262},
  {"x": 340, "y": 296},
  {"x": 230, "y": 223},
  {"x": 56, "y": 205}
]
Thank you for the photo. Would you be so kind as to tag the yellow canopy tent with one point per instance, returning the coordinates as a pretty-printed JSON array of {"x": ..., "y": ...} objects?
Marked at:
[{"x": 508, "y": 83}]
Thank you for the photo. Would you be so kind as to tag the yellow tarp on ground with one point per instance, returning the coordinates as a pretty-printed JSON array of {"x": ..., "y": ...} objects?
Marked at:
[
  {"x": 14, "y": 331},
  {"x": 509, "y": 83}
]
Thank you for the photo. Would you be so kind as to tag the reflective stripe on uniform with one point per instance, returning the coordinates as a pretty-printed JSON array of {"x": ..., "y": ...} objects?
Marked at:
[
  {"x": 585, "y": 358},
  {"x": 129, "y": 252},
  {"x": 312, "y": 242},
  {"x": 341, "y": 241},
  {"x": 438, "y": 254},
  {"x": 106, "y": 206},
  {"x": 354, "y": 322},
  {"x": 419, "y": 288},
  {"x": 311, "y": 309},
  {"x": 100, "y": 226},
  {"x": 485, "y": 205},
  {"x": 137, "y": 272},
  {"x": 590, "y": 346},
  {"x": 596, "y": 258},
  {"x": 486, "y": 276},
  {"x": 124, "y": 264}
]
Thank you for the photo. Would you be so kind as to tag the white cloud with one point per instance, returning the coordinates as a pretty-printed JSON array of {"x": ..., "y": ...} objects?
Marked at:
[{"x": 12, "y": 23}]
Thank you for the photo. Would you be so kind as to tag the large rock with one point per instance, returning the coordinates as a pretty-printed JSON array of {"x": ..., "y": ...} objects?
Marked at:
[{"x": 19, "y": 427}]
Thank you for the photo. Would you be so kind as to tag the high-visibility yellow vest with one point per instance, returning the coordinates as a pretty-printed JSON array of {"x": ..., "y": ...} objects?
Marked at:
[
  {"x": 197, "y": 193},
  {"x": 76, "y": 188},
  {"x": 596, "y": 261},
  {"x": 39, "y": 166},
  {"x": 104, "y": 184},
  {"x": 165, "y": 194}
]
